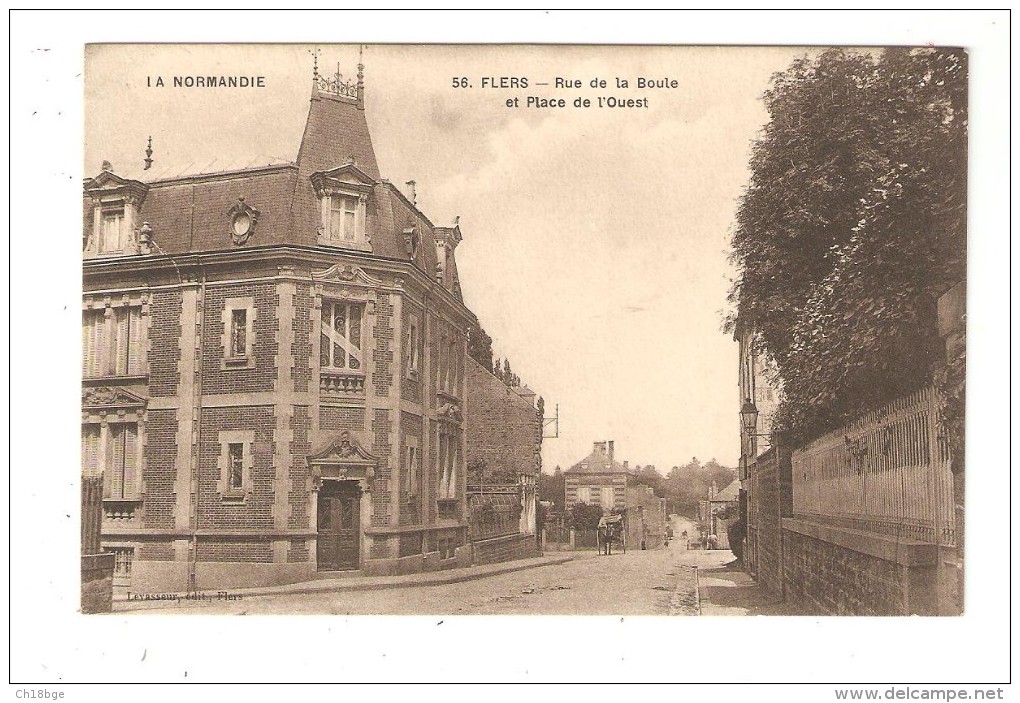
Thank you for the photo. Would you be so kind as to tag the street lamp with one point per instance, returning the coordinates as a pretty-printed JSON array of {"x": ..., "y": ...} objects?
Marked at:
[{"x": 749, "y": 420}]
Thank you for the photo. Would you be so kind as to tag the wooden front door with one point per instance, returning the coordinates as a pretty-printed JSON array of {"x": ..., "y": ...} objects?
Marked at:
[{"x": 339, "y": 525}]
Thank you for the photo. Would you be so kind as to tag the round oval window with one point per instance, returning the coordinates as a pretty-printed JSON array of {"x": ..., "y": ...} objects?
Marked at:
[{"x": 242, "y": 223}]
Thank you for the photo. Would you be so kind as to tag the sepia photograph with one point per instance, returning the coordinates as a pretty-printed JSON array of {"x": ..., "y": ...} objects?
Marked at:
[
  {"x": 326, "y": 298},
  {"x": 522, "y": 336}
]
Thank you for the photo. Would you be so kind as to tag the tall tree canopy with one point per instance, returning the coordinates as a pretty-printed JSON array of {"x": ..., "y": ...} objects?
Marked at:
[
  {"x": 852, "y": 224},
  {"x": 480, "y": 346}
]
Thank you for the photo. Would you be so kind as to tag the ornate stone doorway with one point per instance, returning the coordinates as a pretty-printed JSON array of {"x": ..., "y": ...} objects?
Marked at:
[
  {"x": 342, "y": 476},
  {"x": 338, "y": 526}
]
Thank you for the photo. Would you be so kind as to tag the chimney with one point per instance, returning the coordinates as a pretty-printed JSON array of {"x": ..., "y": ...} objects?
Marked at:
[
  {"x": 626, "y": 464},
  {"x": 600, "y": 448},
  {"x": 412, "y": 192},
  {"x": 610, "y": 443}
]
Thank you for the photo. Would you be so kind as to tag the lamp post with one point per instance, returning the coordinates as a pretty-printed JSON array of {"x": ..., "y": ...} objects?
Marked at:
[{"x": 749, "y": 421}]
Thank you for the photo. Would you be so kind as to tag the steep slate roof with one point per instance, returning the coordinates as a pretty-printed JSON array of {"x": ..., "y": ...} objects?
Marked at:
[
  {"x": 730, "y": 493},
  {"x": 188, "y": 211},
  {"x": 598, "y": 462},
  {"x": 335, "y": 131}
]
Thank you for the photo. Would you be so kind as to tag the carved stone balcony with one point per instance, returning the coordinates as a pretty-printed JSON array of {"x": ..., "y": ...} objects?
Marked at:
[
  {"x": 334, "y": 383},
  {"x": 120, "y": 508}
]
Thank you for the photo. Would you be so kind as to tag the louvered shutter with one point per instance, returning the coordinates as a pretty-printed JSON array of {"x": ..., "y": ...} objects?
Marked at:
[
  {"x": 130, "y": 461},
  {"x": 135, "y": 342},
  {"x": 115, "y": 468},
  {"x": 87, "y": 351},
  {"x": 100, "y": 345},
  {"x": 90, "y": 450},
  {"x": 92, "y": 340},
  {"x": 122, "y": 321}
]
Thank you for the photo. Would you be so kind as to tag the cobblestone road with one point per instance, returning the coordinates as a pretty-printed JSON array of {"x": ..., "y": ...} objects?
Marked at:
[{"x": 654, "y": 582}]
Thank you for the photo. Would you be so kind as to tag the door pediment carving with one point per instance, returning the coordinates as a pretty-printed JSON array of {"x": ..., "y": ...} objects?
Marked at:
[
  {"x": 107, "y": 397},
  {"x": 343, "y": 458}
]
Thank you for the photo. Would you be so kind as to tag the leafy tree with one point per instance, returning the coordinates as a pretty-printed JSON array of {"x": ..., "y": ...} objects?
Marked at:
[
  {"x": 584, "y": 516},
  {"x": 852, "y": 225},
  {"x": 480, "y": 346},
  {"x": 649, "y": 476},
  {"x": 686, "y": 485},
  {"x": 553, "y": 488}
]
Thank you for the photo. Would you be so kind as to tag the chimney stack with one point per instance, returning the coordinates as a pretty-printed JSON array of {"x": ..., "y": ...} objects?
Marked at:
[
  {"x": 610, "y": 443},
  {"x": 626, "y": 464},
  {"x": 600, "y": 448},
  {"x": 413, "y": 192}
]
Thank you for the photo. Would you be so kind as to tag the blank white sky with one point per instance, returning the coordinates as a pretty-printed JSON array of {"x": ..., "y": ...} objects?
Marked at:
[{"x": 595, "y": 241}]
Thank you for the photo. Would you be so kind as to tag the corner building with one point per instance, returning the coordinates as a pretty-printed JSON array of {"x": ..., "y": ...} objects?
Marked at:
[{"x": 274, "y": 365}]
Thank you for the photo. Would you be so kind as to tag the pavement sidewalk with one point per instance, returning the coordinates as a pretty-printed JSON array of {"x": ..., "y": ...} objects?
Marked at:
[
  {"x": 371, "y": 583},
  {"x": 726, "y": 589}
]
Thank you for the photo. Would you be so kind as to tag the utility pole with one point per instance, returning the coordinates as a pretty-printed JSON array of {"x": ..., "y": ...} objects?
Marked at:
[{"x": 555, "y": 422}]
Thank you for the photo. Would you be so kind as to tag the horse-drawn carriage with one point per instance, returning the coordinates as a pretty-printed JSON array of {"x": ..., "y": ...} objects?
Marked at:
[{"x": 611, "y": 530}]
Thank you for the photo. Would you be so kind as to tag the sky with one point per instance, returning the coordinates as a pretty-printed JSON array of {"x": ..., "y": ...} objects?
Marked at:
[{"x": 595, "y": 239}]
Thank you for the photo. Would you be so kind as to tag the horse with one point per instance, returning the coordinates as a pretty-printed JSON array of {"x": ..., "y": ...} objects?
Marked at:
[{"x": 609, "y": 532}]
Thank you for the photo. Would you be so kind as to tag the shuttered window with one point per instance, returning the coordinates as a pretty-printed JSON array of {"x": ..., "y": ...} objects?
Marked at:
[
  {"x": 112, "y": 344},
  {"x": 120, "y": 475},
  {"x": 90, "y": 435}
]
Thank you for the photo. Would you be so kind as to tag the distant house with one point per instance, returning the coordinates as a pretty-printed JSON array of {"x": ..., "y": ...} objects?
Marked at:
[
  {"x": 600, "y": 480},
  {"x": 718, "y": 511}
]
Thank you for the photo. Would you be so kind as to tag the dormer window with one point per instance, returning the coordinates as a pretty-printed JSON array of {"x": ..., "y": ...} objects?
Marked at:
[
  {"x": 343, "y": 198},
  {"x": 116, "y": 204},
  {"x": 112, "y": 239},
  {"x": 343, "y": 217}
]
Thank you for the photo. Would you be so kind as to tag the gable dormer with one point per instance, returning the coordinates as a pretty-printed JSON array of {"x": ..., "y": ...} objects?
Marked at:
[
  {"x": 447, "y": 239},
  {"x": 343, "y": 203},
  {"x": 116, "y": 203}
]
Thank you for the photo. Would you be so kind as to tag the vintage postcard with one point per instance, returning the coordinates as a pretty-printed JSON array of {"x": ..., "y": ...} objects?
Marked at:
[
  {"x": 629, "y": 337},
  {"x": 524, "y": 329}
]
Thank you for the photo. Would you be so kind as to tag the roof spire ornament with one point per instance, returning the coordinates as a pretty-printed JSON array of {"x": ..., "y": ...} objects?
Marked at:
[
  {"x": 335, "y": 84},
  {"x": 315, "y": 64},
  {"x": 148, "y": 154},
  {"x": 361, "y": 77}
]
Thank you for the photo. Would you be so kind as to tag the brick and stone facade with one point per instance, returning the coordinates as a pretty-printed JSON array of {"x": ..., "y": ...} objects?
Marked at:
[
  {"x": 265, "y": 346},
  {"x": 504, "y": 444}
]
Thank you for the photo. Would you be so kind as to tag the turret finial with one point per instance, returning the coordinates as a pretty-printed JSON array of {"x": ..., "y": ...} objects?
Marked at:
[
  {"x": 361, "y": 76},
  {"x": 148, "y": 154},
  {"x": 315, "y": 64}
]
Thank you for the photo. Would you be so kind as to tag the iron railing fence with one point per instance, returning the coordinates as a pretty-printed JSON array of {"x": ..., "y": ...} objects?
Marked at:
[{"x": 888, "y": 472}]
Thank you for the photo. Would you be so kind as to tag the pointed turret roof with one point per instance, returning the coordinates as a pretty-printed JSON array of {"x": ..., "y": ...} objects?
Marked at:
[{"x": 336, "y": 132}]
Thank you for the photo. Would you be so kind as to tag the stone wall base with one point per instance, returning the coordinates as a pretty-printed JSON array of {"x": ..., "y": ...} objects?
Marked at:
[
  {"x": 841, "y": 571},
  {"x": 508, "y": 548}
]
